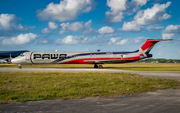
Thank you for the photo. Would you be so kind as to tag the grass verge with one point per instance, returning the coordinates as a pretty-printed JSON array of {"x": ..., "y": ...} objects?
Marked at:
[
  {"x": 32, "y": 86},
  {"x": 146, "y": 67}
]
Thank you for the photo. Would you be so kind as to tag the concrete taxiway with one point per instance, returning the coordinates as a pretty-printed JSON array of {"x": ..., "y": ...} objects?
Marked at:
[{"x": 158, "y": 74}]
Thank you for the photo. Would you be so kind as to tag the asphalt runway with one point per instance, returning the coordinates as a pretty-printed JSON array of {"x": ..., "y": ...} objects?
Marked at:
[
  {"x": 161, "y": 101},
  {"x": 158, "y": 74}
]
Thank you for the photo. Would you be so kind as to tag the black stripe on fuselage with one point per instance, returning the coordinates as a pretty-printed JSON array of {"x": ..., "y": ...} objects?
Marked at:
[{"x": 97, "y": 53}]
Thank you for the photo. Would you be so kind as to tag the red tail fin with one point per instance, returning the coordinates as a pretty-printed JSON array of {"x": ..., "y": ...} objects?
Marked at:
[{"x": 149, "y": 44}]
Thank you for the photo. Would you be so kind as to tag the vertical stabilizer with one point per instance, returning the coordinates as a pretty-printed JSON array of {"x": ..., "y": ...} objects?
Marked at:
[{"x": 149, "y": 44}]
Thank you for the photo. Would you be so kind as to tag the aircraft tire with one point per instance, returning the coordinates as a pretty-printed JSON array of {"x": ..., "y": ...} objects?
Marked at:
[
  {"x": 100, "y": 66},
  {"x": 19, "y": 66},
  {"x": 95, "y": 66}
]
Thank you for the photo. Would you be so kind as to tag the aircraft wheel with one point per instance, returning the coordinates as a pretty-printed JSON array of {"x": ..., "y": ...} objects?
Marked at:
[
  {"x": 100, "y": 66},
  {"x": 95, "y": 66},
  {"x": 19, "y": 66}
]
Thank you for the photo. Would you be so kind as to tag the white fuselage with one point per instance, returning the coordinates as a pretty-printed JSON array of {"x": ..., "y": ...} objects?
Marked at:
[{"x": 77, "y": 57}]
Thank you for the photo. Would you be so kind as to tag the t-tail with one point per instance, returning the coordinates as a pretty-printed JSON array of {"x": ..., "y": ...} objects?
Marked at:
[{"x": 148, "y": 45}]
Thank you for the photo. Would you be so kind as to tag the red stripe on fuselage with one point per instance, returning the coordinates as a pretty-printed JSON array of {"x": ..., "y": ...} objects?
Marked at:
[{"x": 81, "y": 61}]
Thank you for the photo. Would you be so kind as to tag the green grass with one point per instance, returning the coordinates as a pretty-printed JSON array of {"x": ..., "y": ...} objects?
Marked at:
[
  {"x": 134, "y": 67},
  {"x": 147, "y": 67},
  {"x": 32, "y": 86}
]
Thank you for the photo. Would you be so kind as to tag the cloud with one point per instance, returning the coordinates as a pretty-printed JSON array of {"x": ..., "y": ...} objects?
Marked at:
[
  {"x": 45, "y": 41},
  {"x": 69, "y": 40},
  {"x": 149, "y": 16},
  {"x": 52, "y": 25},
  {"x": 9, "y": 22},
  {"x": 115, "y": 14},
  {"x": 167, "y": 35},
  {"x": 88, "y": 29},
  {"x": 118, "y": 8},
  {"x": 117, "y": 5},
  {"x": 45, "y": 30},
  {"x": 137, "y": 4},
  {"x": 66, "y": 10},
  {"x": 111, "y": 35},
  {"x": 77, "y": 27},
  {"x": 153, "y": 15},
  {"x": 119, "y": 41},
  {"x": 73, "y": 27},
  {"x": 140, "y": 2},
  {"x": 139, "y": 40},
  {"x": 154, "y": 27},
  {"x": 1, "y": 37},
  {"x": 131, "y": 26},
  {"x": 170, "y": 31},
  {"x": 106, "y": 30},
  {"x": 173, "y": 29},
  {"x": 72, "y": 40},
  {"x": 20, "y": 39}
]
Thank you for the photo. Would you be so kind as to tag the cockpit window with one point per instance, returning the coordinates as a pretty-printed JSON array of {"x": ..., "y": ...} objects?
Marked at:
[{"x": 21, "y": 55}]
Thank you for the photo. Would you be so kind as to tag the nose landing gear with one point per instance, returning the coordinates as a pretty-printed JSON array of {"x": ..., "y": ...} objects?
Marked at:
[
  {"x": 19, "y": 66},
  {"x": 96, "y": 66}
]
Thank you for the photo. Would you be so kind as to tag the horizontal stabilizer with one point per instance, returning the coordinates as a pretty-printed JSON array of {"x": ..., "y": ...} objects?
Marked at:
[{"x": 157, "y": 40}]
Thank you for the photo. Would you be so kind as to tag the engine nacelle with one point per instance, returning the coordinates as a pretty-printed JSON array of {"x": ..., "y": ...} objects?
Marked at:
[{"x": 149, "y": 55}]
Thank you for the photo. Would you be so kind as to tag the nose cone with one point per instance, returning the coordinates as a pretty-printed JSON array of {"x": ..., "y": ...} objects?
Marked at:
[
  {"x": 18, "y": 61},
  {"x": 15, "y": 61}
]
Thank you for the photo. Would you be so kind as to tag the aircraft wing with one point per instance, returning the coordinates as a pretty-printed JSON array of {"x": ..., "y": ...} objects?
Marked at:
[{"x": 106, "y": 61}]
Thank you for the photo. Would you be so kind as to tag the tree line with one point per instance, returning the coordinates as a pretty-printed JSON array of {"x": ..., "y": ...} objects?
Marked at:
[{"x": 159, "y": 60}]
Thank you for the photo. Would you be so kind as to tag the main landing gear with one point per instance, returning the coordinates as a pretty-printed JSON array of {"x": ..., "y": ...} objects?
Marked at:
[
  {"x": 19, "y": 66},
  {"x": 96, "y": 66}
]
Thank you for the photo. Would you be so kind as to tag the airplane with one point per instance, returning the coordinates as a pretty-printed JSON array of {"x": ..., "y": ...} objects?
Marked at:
[
  {"x": 3, "y": 61},
  {"x": 6, "y": 56},
  {"x": 96, "y": 58}
]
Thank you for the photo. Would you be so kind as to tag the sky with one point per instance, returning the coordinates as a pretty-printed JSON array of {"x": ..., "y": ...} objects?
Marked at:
[{"x": 90, "y": 25}]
